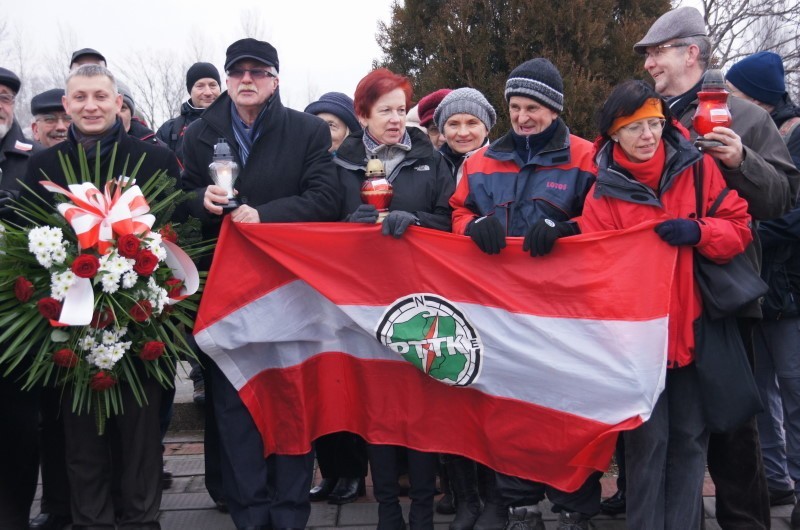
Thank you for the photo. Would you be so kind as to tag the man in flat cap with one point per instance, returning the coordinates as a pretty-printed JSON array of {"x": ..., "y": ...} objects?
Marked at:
[
  {"x": 86, "y": 56},
  {"x": 19, "y": 409},
  {"x": 202, "y": 83},
  {"x": 755, "y": 162},
  {"x": 50, "y": 121},
  {"x": 287, "y": 175}
]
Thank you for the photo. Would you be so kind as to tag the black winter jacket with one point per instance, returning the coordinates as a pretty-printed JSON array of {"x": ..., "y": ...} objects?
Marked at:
[
  {"x": 289, "y": 176},
  {"x": 129, "y": 151},
  {"x": 780, "y": 239},
  {"x": 15, "y": 152},
  {"x": 172, "y": 131},
  {"x": 422, "y": 182}
]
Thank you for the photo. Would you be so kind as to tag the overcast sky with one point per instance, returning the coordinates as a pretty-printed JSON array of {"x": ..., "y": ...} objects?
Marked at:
[{"x": 322, "y": 45}]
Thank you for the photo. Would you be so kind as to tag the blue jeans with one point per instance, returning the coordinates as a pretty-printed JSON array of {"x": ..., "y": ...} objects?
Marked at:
[
  {"x": 777, "y": 349},
  {"x": 665, "y": 459}
]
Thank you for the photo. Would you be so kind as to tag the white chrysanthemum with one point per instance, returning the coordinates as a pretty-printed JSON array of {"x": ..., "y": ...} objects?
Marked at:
[
  {"x": 87, "y": 342},
  {"x": 109, "y": 338},
  {"x": 154, "y": 245},
  {"x": 59, "y": 255},
  {"x": 110, "y": 282},
  {"x": 129, "y": 279},
  {"x": 60, "y": 282}
]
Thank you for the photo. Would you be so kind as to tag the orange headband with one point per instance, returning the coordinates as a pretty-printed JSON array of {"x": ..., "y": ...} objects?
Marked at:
[{"x": 650, "y": 109}]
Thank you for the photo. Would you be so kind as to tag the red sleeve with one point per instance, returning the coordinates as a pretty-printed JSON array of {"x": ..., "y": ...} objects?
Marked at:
[{"x": 462, "y": 215}]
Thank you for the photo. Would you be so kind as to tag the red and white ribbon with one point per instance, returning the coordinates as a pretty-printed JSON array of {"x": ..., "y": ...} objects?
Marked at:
[{"x": 99, "y": 218}]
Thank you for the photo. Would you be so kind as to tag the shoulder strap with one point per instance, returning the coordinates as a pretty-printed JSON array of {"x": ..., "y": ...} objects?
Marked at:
[
  {"x": 698, "y": 191},
  {"x": 788, "y": 127}
]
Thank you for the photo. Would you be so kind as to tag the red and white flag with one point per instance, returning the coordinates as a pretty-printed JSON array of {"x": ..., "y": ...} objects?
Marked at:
[{"x": 528, "y": 365}]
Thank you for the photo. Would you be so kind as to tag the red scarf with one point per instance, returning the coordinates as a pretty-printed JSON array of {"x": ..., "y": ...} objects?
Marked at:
[{"x": 649, "y": 172}]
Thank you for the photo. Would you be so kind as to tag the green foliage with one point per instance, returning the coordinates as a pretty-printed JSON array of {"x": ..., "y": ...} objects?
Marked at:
[{"x": 476, "y": 43}]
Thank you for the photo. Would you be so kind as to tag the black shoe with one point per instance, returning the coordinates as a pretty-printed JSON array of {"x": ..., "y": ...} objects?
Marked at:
[
  {"x": 222, "y": 506},
  {"x": 573, "y": 521},
  {"x": 321, "y": 491},
  {"x": 614, "y": 505},
  {"x": 781, "y": 497},
  {"x": 445, "y": 505},
  {"x": 199, "y": 393},
  {"x": 525, "y": 518},
  {"x": 49, "y": 521},
  {"x": 795, "y": 519},
  {"x": 347, "y": 490}
]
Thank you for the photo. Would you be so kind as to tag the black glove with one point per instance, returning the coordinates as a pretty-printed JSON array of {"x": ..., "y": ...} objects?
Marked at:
[
  {"x": 679, "y": 232},
  {"x": 543, "y": 234},
  {"x": 6, "y": 198},
  {"x": 488, "y": 233},
  {"x": 365, "y": 213},
  {"x": 396, "y": 223}
]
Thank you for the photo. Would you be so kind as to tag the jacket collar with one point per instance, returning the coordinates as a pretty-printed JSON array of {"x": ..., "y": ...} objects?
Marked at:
[
  {"x": 353, "y": 155},
  {"x": 554, "y": 153}
]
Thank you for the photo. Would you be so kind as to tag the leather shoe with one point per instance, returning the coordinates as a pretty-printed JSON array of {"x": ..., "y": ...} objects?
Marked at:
[
  {"x": 166, "y": 478},
  {"x": 347, "y": 490},
  {"x": 321, "y": 491},
  {"x": 614, "y": 505},
  {"x": 221, "y": 505},
  {"x": 49, "y": 521}
]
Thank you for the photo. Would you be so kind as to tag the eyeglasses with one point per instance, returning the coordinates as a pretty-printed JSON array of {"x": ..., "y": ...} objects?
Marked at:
[
  {"x": 52, "y": 119},
  {"x": 255, "y": 73},
  {"x": 637, "y": 129},
  {"x": 664, "y": 47},
  {"x": 7, "y": 99}
]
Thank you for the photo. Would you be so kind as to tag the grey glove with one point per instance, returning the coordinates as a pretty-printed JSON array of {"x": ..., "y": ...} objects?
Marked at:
[
  {"x": 396, "y": 223},
  {"x": 365, "y": 213}
]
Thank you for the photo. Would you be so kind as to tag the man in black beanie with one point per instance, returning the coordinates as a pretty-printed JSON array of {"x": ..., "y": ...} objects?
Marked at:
[
  {"x": 537, "y": 158},
  {"x": 286, "y": 175},
  {"x": 202, "y": 83}
]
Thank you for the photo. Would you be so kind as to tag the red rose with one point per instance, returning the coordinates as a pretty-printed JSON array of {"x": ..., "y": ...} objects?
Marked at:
[
  {"x": 173, "y": 287},
  {"x": 49, "y": 308},
  {"x": 102, "y": 380},
  {"x": 86, "y": 265},
  {"x": 152, "y": 350},
  {"x": 65, "y": 358},
  {"x": 128, "y": 246},
  {"x": 169, "y": 234},
  {"x": 141, "y": 311},
  {"x": 102, "y": 318},
  {"x": 146, "y": 263},
  {"x": 23, "y": 289}
]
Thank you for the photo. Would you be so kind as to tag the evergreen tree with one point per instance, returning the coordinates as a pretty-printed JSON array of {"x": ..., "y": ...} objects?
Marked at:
[{"x": 476, "y": 43}]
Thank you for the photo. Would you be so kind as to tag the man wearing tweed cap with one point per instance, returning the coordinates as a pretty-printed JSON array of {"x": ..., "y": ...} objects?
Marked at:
[{"x": 528, "y": 183}]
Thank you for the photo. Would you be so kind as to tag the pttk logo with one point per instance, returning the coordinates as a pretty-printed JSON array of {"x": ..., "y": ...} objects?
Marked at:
[{"x": 433, "y": 334}]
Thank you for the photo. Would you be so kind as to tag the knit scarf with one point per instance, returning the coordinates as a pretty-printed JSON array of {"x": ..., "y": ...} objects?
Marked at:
[
  {"x": 390, "y": 155},
  {"x": 648, "y": 172},
  {"x": 90, "y": 142},
  {"x": 246, "y": 136}
]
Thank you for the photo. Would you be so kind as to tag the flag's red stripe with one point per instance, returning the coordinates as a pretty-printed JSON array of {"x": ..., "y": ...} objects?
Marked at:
[
  {"x": 393, "y": 403},
  {"x": 355, "y": 265}
]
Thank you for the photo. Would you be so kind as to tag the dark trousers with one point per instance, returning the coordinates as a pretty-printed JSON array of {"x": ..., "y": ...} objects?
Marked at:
[
  {"x": 385, "y": 474},
  {"x": 19, "y": 418},
  {"x": 737, "y": 469},
  {"x": 341, "y": 455},
  {"x": 520, "y": 492},
  {"x": 260, "y": 491},
  {"x": 55, "y": 484},
  {"x": 92, "y": 463}
]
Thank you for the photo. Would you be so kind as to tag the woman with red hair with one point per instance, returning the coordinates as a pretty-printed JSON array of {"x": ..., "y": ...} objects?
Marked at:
[{"x": 422, "y": 185}]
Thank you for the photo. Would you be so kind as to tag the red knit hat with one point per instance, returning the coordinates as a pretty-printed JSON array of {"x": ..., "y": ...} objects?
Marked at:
[{"x": 427, "y": 105}]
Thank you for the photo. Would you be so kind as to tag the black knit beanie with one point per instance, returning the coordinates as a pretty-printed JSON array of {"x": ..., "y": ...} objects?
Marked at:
[
  {"x": 539, "y": 80},
  {"x": 200, "y": 71}
]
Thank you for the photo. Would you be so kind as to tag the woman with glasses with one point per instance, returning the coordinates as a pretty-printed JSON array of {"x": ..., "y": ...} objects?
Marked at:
[
  {"x": 422, "y": 185},
  {"x": 646, "y": 167}
]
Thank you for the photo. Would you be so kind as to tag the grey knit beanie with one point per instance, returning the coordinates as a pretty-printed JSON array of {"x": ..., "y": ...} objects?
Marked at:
[
  {"x": 537, "y": 79},
  {"x": 467, "y": 101}
]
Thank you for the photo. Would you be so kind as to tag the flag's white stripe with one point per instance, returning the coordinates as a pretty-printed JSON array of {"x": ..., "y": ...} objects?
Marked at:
[{"x": 588, "y": 373}]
